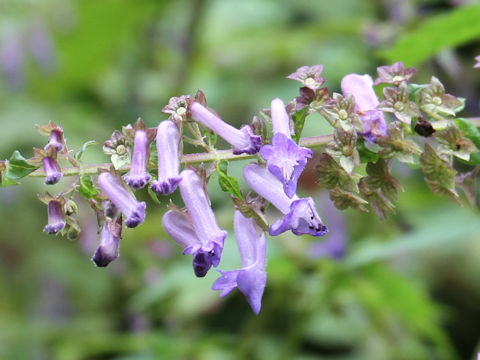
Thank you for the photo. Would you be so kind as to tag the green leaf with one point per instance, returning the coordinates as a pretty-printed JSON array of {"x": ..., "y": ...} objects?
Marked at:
[
  {"x": 87, "y": 190},
  {"x": 17, "y": 168},
  {"x": 435, "y": 34},
  {"x": 366, "y": 155},
  {"x": 298, "y": 121},
  {"x": 79, "y": 153},
  {"x": 153, "y": 195},
  {"x": 470, "y": 131},
  {"x": 228, "y": 183}
]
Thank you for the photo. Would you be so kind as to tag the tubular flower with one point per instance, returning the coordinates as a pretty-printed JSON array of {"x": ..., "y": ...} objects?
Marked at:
[
  {"x": 133, "y": 210},
  {"x": 242, "y": 141},
  {"x": 196, "y": 229},
  {"x": 56, "y": 217},
  {"x": 285, "y": 159},
  {"x": 251, "y": 278},
  {"x": 107, "y": 251},
  {"x": 300, "y": 215},
  {"x": 56, "y": 139},
  {"x": 168, "y": 139},
  {"x": 138, "y": 176},
  {"x": 366, "y": 102},
  {"x": 52, "y": 170}
]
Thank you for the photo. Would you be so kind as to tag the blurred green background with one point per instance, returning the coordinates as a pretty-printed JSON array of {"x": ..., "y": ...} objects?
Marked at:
[{"x": 406, "y": 288}]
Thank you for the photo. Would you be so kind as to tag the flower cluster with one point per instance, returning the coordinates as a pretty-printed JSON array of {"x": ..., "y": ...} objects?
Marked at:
[{"x": 354, "y": 165}]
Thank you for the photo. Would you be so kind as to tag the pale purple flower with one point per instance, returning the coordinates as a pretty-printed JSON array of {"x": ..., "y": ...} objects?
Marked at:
[
  {"x": 138, "y": 176},
  {"x": 177, "y": 108},
  {"x": 41, "y": 46},
  {"x": 394, "y": 74},
  {"x": 168, "y": 139},
  {"x": 309, "y": 76},
  {"x": 300, "y": 215},
  {"x": 133, "y": 210},
  {"x": 285, "y": 159},
  {"x": 12, "y": 58},
  {"x": 242, "y": 141},
  {"x": 366, "y": 102},
  {"x": 251, "y": 278},
  {"x": 56, "y": 139},
  {"x": 208, "y": 245},
  {"x": 107, "y": 251},
  {"x": 477, "y": 64},
  {"x": 56, "y": 217},
  {"x": 52, "y": 170}
]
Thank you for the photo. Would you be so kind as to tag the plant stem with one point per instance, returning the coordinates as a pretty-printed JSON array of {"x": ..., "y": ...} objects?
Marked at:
[{"x": 205, "y": 157}]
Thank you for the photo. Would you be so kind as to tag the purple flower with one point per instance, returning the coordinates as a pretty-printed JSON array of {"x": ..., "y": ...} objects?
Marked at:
[
  {"x": 56, "y": 139},
  {"x": 285, "y": 159},
  {"x": 138, "y": 176},
  {"x": 133, "y": 210},
  {"x": 107, "y": 251},
  {"x": 56, "y": 217},
  {"x": 180, "y": 227},
  {"x": 251, "y": 278},
  {"x": 366, "y": 102},
  {"x": 196, "y": 229},
  {"x": 41, "y": 46},
  {"x": 168, "y": 139},
  {"x": 300, "y": 215},
  {"x": 242, "y": 141},
  {"x": 309, "y": 76},
  {"x": 12, "y": 58},
  {"x": 52, "y": 170},
  {"x": 394, "y": 74}
]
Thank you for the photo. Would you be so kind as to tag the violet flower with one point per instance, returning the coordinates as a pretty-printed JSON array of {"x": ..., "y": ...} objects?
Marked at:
[
  {"x": 107, "y": 251},
  {"x": 41, "y": 46},
  {"x": 477, "y": 64},
  {"x": 285, "y": 159},
  {"x": 300, "y": 215},
  {"x": 133, "y": 210},
  {"x": 366, "y": 102},
  {"x": 56, "y": 217},
  {"x": 168, "y": 139},
  {"x": 309, "y": 76},
  {"x": 52, "y": 170},
  {"x": 56, "y": 139},
  {"x": 242, "y": 141},
  {"x": 12, "y": 57},
  {"x": 251, "y": 278},
  {"x": 138, "y": 176},
  {"x": 197, "y": 229}
]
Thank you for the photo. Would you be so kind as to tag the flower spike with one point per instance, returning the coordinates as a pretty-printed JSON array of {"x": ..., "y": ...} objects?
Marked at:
[
  {"x": 168, "y": 139},
  {"x": 251, "y": 278},
  {"x": 133, "y": 210},
  {"x": 242, "y": 141},
  {"x": 300, "y": 215},
  {"x": 138, "y": 176},
  {"x": 285, "y": 159}
]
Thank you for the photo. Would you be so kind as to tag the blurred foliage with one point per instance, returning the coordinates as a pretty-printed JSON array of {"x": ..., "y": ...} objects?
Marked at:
[{"x": 408, "y": 287}]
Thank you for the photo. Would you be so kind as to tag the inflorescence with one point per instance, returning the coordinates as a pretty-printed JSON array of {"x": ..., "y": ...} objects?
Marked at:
[{"x": 415, "y": 124}]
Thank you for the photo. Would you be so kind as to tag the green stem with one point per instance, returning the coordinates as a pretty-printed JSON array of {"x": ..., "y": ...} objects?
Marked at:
[{"x": 205, "y": 157}]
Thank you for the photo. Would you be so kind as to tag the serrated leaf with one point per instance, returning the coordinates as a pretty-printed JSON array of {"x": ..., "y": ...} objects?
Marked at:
[
  {"x": 331, "y": 174},
  {"x": 17, "y": 167},
  {"x": 379, "y": 178},
  {"x": 228, "y": 183},
  {"x": 298, "y": 122},
  {"x": 344, "y": 199},
  {"x": 87, "y": 190},
  {"x": 435, "y": 34},
  {"x": 79, "y": 153},
  {"x": 379, "y": 202}
]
